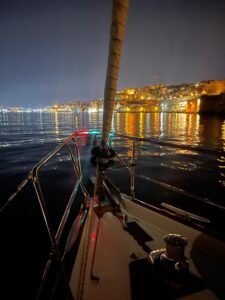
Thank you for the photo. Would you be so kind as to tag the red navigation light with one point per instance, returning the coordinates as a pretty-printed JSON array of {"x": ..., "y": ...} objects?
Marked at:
[
  {"x": 80, "y": 132},
  {"x": 93, "y": 237}
]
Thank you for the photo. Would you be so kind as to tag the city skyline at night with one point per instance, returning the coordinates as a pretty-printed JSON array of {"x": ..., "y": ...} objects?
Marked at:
[{"x": 54, "y": 52}]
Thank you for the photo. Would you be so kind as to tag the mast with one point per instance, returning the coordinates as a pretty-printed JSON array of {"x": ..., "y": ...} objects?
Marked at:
[{"x": 117, "y": 32}]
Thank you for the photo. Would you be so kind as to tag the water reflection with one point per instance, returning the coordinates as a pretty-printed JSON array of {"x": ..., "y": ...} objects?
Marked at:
[
  {"x": 211, "y": 130},
  {"x": 223, "y": 133},
  {"x": 186, "y": 129},
  {"x": 43, "y": 130},
  {"x": 205, "y": 131},
  {"x": 56, "y": 123},
  {"x": 200, "y": 131}
]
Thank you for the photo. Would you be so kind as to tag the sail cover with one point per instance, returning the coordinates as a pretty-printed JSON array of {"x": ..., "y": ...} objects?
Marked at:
[{"x": 117, "y": 32}]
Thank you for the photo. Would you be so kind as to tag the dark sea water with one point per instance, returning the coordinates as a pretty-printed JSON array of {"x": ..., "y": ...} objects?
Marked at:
[
  {"x": 180, "y": 160},
  {"x": 183, "y": 146}
]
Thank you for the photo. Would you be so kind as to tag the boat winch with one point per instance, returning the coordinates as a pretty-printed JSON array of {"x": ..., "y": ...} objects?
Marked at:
[{"x": 172, "y": 258}]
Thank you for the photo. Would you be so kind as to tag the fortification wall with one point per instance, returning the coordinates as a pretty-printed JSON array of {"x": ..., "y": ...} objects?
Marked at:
[{"x": 212, "y": 104}]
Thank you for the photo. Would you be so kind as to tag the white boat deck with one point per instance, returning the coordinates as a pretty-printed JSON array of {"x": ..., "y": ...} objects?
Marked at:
[{"x": 116, "y": 248}]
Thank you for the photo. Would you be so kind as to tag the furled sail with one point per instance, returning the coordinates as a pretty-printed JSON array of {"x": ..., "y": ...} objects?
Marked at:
[{"x": 117, "y": 32}]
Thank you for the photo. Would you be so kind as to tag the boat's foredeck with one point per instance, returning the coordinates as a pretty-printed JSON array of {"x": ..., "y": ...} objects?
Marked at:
[
  {"x": 113, "y": 250},
  {"x": 110, "y": 262}
]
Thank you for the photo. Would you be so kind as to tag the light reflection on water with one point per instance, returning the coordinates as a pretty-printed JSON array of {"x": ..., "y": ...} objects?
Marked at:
[
  {"x": 187, "y": 129},
  {"x": 26, "y": 137},
  {"x": 191, "y": 129}
]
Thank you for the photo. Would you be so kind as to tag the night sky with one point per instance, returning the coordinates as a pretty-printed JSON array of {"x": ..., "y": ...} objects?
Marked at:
[{"x": 56, "y": 51}]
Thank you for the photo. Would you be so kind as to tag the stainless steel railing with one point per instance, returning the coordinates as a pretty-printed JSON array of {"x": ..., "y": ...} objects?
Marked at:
[
  {"x": 176, "y": 211},
  {"x": 72, "y": 146}
]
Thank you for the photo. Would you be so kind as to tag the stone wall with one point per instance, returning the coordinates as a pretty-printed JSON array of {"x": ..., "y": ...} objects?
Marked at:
[{"x": 212, "y": 104}]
